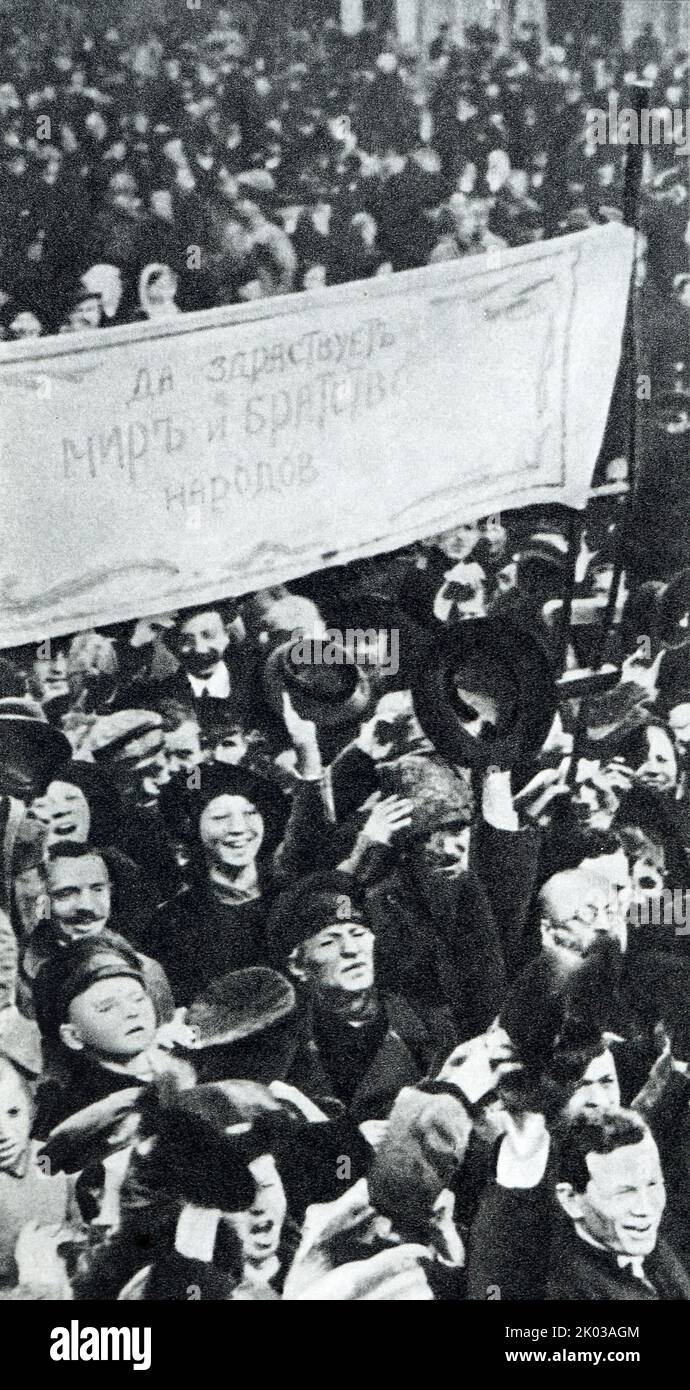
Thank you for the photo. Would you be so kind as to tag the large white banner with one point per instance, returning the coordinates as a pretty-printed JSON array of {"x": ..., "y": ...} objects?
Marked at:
[{"x": 152, "y": 466}]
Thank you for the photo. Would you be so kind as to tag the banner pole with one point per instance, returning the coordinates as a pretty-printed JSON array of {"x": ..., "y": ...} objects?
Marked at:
[{"x": 631, "y": 205}]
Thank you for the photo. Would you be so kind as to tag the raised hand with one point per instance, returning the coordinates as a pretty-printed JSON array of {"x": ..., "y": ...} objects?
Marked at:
[{"x": 391, "y": 814}]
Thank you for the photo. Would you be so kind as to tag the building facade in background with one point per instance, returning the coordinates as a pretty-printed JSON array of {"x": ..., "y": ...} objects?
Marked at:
[{"x": 418, "y": 20}]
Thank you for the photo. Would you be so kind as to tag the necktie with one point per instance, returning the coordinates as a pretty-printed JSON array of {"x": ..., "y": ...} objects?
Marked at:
[{"x": 636, "y": 1266}]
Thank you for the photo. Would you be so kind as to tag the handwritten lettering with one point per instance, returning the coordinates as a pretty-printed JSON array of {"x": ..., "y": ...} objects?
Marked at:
[
  {"x": 347, "y": 348},
  {"x": 123, "y": 446},
  {"x": 329, "y": 395},
  {"x": 216, "y": 493},
  {"x": 148, "y": 387}
]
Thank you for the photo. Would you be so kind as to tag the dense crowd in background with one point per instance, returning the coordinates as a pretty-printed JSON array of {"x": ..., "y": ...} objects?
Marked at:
[
  {"x": 345, "y": 925},
  {"x": 178, "y": 169}
]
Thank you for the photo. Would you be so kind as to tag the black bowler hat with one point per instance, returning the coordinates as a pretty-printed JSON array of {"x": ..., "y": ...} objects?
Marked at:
[
  {"x": 330, "y": 693},
  {"x": 486, "y": 693}
]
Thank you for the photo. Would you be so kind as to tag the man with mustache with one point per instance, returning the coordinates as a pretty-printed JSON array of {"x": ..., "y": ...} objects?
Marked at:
[
  {"x": 212, "y": 677},
  {"x": 80, "y": 892}
]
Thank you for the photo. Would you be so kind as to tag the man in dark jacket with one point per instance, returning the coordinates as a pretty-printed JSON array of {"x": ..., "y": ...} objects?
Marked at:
[
  {"x": 358, "y": 1043},
  {"x": 611, "y": 1188},
  {"x": 449, "y": 918},
  {"x": 213, "y": 675}
]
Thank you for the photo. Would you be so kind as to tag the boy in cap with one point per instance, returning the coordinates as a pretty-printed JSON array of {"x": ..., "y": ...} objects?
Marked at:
[{"x": 105, "y": 1019}]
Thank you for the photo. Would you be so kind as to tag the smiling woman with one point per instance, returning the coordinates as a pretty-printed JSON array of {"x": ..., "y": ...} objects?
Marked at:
[
  {"x": 233, "y": 822},
  {"x": 231, "y": 830}
]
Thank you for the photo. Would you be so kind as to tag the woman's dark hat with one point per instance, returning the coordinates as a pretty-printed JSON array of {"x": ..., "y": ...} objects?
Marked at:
[{"x": 183, "y": 800}]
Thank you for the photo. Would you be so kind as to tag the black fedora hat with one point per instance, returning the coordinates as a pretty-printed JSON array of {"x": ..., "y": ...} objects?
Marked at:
[
  {"x": 486, "y": 694},
  {"x": 330, "y": 692},
  {"x": 29, "y": 744}
]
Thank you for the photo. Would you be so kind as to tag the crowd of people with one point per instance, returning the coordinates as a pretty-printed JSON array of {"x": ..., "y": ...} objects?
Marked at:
[
  {"x": 344, "y": 951},
  {"x": 345, "y": 925},
  {"x": 184, "y": 167}
]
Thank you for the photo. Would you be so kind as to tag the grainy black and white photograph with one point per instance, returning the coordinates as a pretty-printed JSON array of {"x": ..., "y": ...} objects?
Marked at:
[{"x": 345, "y": 660}]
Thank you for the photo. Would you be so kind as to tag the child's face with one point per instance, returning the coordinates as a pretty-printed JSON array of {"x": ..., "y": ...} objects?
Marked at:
[
  {"x": 260, "y": 1228},
  {"x": 112, "y": 1018},
  {"x": 15, "y": 1119}
]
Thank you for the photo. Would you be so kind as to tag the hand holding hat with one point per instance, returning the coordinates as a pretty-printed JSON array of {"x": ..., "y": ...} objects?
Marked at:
[
  {"x": 324, "y": 683},
  {"x": 176, "y": 1033},
  {"x": 542, "y": 791},
  {"x": 304, "y": 739},
  {"x": 486, "y": 695}
]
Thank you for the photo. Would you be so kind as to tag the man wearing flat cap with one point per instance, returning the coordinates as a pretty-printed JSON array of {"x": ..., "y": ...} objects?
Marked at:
[
  {"x": 131, "y": 743},
  {"x": 130, "y": 746}
]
